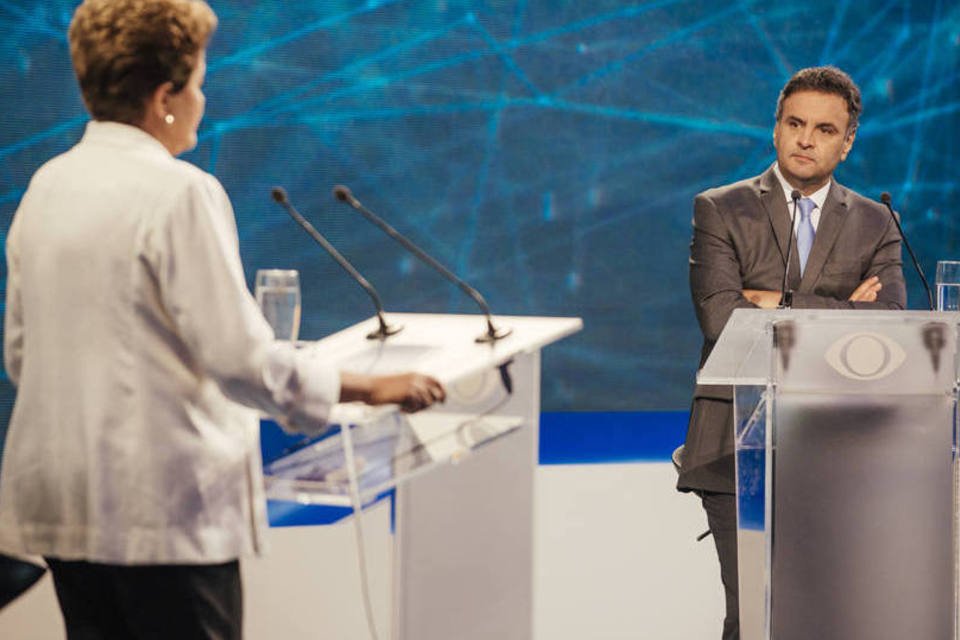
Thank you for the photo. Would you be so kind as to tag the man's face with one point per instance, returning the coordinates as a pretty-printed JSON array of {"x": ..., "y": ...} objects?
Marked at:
[{"x": 811, "y": 138}]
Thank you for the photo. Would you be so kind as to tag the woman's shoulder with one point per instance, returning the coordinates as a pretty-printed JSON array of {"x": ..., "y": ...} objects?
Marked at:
[
  {"x": 176, "y": 177},
  {"x": 196, "y": 178}
]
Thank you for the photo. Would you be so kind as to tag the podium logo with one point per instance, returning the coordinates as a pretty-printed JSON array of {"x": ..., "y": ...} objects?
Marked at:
[{"x": 865, "y": 356}]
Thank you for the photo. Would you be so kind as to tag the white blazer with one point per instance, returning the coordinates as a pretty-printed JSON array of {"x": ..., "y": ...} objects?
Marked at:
[{"x": 134, "y": 344}]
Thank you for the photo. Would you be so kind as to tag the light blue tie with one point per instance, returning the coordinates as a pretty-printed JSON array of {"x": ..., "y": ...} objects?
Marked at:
[{"x": 805, "y": 231}]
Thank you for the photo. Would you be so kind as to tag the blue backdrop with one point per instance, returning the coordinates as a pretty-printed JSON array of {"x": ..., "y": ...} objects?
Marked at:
[{"x": 547, "y": 150}]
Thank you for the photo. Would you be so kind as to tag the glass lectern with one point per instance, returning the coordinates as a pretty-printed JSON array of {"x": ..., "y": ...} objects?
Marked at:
[
  {"x": 846, "y": 444},
  {"x": 463, "y": 471}
]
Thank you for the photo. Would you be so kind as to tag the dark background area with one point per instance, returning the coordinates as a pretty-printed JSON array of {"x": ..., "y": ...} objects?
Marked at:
[{"x": 546, "y": 150}]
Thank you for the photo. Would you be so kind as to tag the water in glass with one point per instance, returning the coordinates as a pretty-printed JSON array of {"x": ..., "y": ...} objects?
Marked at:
[
  {"x": 948, "y": 285},
  {"x": 278, "y": 294}
]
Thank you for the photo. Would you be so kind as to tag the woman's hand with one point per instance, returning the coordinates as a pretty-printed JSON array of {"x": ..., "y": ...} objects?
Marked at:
[{"x": 411, "y": 391}]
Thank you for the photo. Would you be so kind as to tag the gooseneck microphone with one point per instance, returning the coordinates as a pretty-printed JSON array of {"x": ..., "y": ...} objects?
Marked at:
[
  {"x": 492, "y": 334},
  {"x": 885, "y": 199},
  {"x": 385, "y": 330},
  {"x": 786, "y": 299}
]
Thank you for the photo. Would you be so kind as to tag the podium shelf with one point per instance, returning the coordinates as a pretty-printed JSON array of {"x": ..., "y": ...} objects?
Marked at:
[{"x": 389, "y": 448}]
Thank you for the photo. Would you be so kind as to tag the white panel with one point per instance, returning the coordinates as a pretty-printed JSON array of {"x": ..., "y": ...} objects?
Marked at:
[
  {"x": 616, "y": 556},
  {"x": 308, "y": 585}
]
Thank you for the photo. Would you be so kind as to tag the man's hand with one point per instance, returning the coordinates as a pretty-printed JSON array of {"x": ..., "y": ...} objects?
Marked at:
[
  {"x": 763, "y": 299},
  {"x": 867, "y": 291},
  {"x": 412, "y": 391}
]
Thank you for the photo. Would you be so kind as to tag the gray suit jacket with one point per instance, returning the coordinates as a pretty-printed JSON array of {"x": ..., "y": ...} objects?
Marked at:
[{"x": 740, "y": 235}]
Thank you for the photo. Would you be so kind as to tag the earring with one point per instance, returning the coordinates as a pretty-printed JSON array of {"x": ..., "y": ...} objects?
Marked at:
[{"x": 169, "y": 119}]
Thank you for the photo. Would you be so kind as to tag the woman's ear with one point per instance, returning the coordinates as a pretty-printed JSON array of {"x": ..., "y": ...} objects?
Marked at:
[{"x": 157, "y": 107}]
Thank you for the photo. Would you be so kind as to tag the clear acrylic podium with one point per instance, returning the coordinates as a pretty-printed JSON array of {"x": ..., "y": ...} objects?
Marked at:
[
  {"x": 846, "y": 440},
  {"x": 463, "y": 471}
]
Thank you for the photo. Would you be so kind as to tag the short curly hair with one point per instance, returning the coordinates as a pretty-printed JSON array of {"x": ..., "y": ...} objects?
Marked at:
[
  {"x": 122, "y": 50},
  {"x": 825, "y": 80}
]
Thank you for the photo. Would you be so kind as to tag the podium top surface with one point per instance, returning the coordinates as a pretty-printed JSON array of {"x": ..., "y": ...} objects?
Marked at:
[
  {"x": 744, "y": 354},
  {"x": 441, "y": 345}
]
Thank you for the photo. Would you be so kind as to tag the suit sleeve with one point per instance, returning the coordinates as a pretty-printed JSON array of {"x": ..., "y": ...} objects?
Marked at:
[
  {"x": 887, "y": 263},
  {"x": 716, "y": 283}
]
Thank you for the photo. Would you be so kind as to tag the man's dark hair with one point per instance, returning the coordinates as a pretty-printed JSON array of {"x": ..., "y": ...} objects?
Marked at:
[{"x": 825, "y": 80}]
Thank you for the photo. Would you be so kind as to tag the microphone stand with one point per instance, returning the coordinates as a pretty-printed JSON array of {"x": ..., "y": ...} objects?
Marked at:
[
  {"x": 493, "y": 333},
  {"x": 384, "y": 331},
  {"x": 885, "y": 199},
  {"x": 786, "y": 298}
]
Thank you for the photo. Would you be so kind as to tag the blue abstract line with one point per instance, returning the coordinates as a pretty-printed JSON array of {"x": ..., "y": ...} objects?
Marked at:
[
  {"x": 912, "y": 167},
  {"x": 42, "y": 136},
  {"x": 252, "y": 53},
  {"x": 548, "y": 150},
  {"x": 636, "y": 56},
  {"x": 840, "y": 11}
]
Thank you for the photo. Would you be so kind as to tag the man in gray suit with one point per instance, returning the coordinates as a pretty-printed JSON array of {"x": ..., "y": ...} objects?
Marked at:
[{"x": 846, "y": 255}]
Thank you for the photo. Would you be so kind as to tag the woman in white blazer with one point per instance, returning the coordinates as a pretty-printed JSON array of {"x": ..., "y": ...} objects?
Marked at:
[{"x": 132, "y": 462}]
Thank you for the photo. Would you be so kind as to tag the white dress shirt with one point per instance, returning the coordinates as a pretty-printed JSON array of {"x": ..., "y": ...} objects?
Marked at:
[
  {"x": 819, "y": 197},
  {"x": 134, "y": 345}
]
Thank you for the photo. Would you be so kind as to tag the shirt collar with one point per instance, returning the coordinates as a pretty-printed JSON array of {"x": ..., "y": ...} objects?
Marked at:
[
  {"x": 120, "y": 134},
  {"x": 819, "y": 196}
]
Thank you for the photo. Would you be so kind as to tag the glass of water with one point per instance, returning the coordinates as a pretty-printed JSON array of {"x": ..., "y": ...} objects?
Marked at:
[
  {"x": 948, "y": 285},
  {"x": 278, "y": 294}
]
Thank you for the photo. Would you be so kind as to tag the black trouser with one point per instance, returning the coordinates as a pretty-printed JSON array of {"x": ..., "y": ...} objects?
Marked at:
[
  {"x": 721, "y": 511},
  {"x": 141, "y": 602}
]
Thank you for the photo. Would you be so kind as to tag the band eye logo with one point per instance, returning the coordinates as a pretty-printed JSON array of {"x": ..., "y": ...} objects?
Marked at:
[{"x": 865, "y": 356}]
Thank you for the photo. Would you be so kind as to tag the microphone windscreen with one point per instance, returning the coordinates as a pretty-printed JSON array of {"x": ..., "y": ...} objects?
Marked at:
[
  {"x": 795, "y": 195},
  {"x": 279, "y": 194},
  {"x": 342, "y": 193},
  {"x": 885, "y": 198}
]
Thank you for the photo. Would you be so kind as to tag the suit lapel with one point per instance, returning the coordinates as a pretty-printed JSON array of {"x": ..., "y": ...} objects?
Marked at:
[
  {"x": 774, "y": 201},
  {"x": 832, "y": 218}
]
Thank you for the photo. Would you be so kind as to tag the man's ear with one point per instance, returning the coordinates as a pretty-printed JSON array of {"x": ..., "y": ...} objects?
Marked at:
[{"x": 848, "y": 144}]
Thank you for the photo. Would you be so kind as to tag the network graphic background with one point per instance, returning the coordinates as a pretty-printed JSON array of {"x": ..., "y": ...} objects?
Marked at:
[{"x": 546, "y": 150}]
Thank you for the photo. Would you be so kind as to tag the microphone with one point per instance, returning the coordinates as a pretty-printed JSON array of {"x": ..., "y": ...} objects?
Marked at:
[
  {"x": 934, "y": 340},
  {"x": 492, "y": 334},
  {"x": 786, "y": 300},
  {"x": 385, "y": 330},
  {"x": 885, "y": 199}
]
